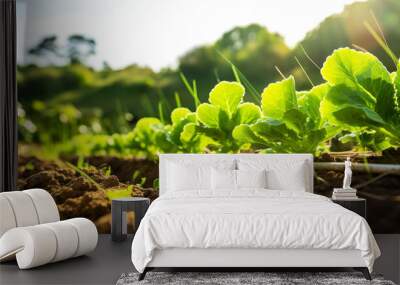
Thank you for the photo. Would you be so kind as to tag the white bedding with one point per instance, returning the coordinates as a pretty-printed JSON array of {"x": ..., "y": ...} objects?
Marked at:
[{"x": 252, "y": 218}]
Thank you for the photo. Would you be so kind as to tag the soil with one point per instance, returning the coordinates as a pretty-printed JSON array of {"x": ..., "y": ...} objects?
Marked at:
[
  {"x": 123, "y": 168},
  {"x": 78, "y": 193},
  {"x": 390, "y": 156},
  {"x": 383, "y": 197},
  {"x": 75, "y": 195}
]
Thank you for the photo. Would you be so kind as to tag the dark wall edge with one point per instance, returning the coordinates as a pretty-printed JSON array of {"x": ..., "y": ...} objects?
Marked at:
[{"x": 8, "y": 96}]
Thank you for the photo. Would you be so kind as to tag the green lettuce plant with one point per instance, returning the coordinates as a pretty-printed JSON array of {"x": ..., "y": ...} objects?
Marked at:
[
  {"x": 363, "y": 98},
  {"x": 182, "y": 133},
  {"x": 291, "y": 120},
  {"x": 225, "y": 110},
  {"x": 359, "y": 102}
]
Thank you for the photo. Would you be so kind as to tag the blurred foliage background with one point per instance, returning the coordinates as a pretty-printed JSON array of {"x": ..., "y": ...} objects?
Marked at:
[
  {"x": 59, "y": 102},
  {"x": 88, "y": 135}
]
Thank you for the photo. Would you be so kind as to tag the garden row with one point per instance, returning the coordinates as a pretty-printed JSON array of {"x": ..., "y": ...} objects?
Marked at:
[{"x": 358, "y": 105}]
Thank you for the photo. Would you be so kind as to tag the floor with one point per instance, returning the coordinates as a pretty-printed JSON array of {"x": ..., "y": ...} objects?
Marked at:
[
  {"x": 103, "y": 266},
  {"x": 110, "y": 260}
]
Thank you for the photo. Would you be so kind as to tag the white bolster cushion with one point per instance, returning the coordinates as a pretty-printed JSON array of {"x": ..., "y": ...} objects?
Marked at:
[
  {"x": 26, "y": 208},
  {"x": 46, "y": 208},
  {"x": 40, "y": 244},
  {"x": 32, "y": 246},
  {"x": 66, "y": 238},
  {"x": 7, "y": 218},
  {"x": 22, "y": 207},
  {"x": 87, "y": 235}
]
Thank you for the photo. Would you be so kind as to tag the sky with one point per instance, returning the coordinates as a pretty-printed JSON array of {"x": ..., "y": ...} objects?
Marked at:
[{"x": 156, "y": 33}]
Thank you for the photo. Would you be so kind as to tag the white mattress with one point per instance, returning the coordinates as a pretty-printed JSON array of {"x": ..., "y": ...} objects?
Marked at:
[{"x": 252, "y": 219}]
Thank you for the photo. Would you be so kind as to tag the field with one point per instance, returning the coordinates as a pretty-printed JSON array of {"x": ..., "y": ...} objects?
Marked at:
[
  {"x": 88, "y": 195},
  {"x": 357, "y": 107},
  {"x": 87, "y": 191},
  {"x": 90, "y": 135}
]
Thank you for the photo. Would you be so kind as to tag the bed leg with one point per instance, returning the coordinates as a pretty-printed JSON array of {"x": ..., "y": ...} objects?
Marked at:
[
  {"x": 143, "y": 274},
  {"x": 364, "y": 271}
]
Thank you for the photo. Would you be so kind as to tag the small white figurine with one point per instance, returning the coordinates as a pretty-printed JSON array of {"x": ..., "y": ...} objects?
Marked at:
[{"x": 347, "y": 174}]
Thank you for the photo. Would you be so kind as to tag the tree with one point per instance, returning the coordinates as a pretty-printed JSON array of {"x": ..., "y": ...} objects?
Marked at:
[
  {"x": 47, "y": 46},
  {"x": 253, "y": 49},
  {"x": 348, "y": 29},
  {"x": 79, "y": 48},
  {"x": 76, "y": 50}
]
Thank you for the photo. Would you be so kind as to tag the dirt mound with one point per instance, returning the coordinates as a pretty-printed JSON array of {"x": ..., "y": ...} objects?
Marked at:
[
  {"x": 77, "y": 192},
  {"x": 124, "y": 168}
]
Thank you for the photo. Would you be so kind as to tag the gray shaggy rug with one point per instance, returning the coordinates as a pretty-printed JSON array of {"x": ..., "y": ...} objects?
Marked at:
[{"x": 242, "y": 278}]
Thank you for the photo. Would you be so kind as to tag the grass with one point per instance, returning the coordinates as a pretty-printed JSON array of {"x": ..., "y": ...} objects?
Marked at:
[{"x": 119, "y": 193}]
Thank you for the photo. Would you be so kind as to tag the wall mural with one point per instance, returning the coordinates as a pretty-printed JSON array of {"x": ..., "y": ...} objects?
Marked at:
[{"x": 88, "y": 134}]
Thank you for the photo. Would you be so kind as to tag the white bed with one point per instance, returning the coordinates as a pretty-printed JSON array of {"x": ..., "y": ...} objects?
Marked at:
[{"x": 272, "y": 226}]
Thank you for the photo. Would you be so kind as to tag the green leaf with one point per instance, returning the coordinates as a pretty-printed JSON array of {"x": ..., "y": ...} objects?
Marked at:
[
  {"x": 179, "y": 114},
  {"x": 188, "y": 133},
  {"x": 358, "y": 70},
  {"x": 295, "y": 120},
  {"x": 396, "y": 79},
  {"x": 163, "y": 142},
  {"x": 208, "y": 115},
  {"x": 386, "y": 103},
  {"x": 244, "y": 134},
  {"x": 339, "y": 97},
  {"x": 247, "y": 113},
  {"x": 175, "y": 132},
  {"x": 119, "y": 193},
  {"x": 396, "y": 83},
  {"x": 279, "y": 97},
  {"x": 227, "y": 96},
  {"x": 214, "y": 133},
  {"x": 342, "y": 95},
  {"x": 144, "y": 126},
  {"x": 193, "y": 141},
  {"x": 273, "y": 130},
  {"x": 309, "y": 103},
  {"x": 225, "y": 122},
  {"x": 359, "y": 116},
  {"x": 314, "y": 138},
  {"x": 374, "y": 140},
  {"x": 381, "y": 142},
  {"x": 147, "y": 123}
]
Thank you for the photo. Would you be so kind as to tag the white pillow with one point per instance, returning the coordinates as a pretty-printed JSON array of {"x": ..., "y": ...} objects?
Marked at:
[
  {"x": 281, "y": 174},
  {"x": 193, "y": 174},
  {"x": 251, "y": 178},
  {"x": 183, "y": 177},
  {"x": 223, "y": 179},
  {"x": 292, "y": 179}
]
